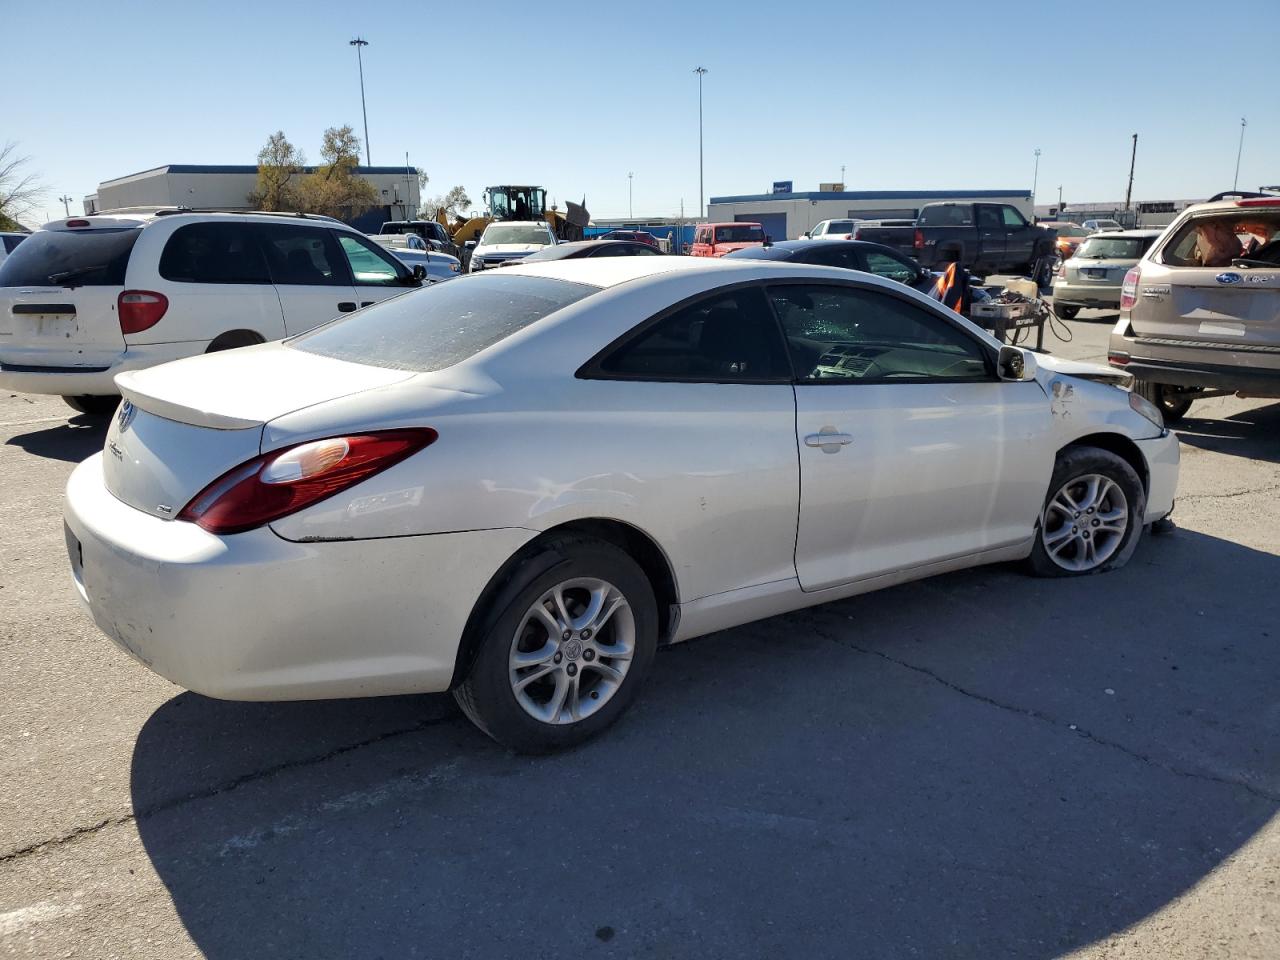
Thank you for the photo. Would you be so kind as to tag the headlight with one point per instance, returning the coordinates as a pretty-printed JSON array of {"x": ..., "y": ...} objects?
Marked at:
[{"x": 1142, "y": 405}]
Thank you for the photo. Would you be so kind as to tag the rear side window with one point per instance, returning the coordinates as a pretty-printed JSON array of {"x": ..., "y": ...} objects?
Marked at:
[
  {"x": 70, "y": 258},
  {"x": 726, "y": 338},
  {"x": 304, "y": 256},
  {"x": 744, "y": 233},
  {"x": 11, "y": 243},
  {"x": 444, "y": 324},
  {"x": 214, "y": 253}
]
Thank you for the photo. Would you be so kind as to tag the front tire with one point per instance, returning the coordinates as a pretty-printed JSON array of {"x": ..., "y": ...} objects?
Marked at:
[
  {"x": 1092, "y": 516},
  {"x": 568, "y": 651},
  {"x": 93, "y": 406}
]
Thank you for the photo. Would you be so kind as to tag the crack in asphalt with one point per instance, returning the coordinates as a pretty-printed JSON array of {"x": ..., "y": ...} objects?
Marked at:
[
  {"x": 1267, "y": 488},
  {"x": 230, "y": 785},
  {"x": 1046, "y": 718}
]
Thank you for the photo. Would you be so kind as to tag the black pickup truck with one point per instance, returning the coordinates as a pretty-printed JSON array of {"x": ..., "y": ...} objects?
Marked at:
[{"x": 982, "y": 237}]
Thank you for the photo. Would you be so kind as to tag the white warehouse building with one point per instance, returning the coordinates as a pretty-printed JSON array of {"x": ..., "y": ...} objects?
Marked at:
[
  {"x": 787, "y": 215},
  {"x": 227, "y": 187}
]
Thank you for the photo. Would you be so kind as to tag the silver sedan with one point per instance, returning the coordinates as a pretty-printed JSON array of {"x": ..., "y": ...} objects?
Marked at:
[{"x": 516, "y": 486}]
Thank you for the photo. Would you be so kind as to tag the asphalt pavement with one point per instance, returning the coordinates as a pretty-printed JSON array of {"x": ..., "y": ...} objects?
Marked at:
[{"x": 979, "y": 765}]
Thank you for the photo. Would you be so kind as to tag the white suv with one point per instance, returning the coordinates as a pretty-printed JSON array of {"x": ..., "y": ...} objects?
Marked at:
[
  {"x": 89, "y": 297},
  {"x": 506, "y": 240}
]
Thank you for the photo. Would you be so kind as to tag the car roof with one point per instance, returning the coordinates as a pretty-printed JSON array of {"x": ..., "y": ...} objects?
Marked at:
[{"x": 607, "y": 272}]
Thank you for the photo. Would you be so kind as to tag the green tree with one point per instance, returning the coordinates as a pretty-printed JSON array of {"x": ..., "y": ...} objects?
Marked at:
[
  {"x": 20, "y": 190},
  {"x": 279, "y": 163},
  {"x": 334, "y": 188},
  {"x": 453, "y": 203}
]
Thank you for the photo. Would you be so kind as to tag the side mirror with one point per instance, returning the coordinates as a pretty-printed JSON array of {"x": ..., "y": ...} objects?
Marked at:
[
  {"x": 1016, "y": 364},
  {"x": 469, "y": 245},
  {"x": 419, "y": 272},
  {"x": 806, "y": 235}
]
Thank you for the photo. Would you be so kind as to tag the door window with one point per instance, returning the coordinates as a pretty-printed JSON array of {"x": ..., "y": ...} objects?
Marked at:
[
  {"x": 989, "y": 219},
  {"x": 214, "y": 253},
  {"x": 304, "y": 256},
  {"x": 883, "y": 265},
  {"x": 851, "y": 335},
  {"x": 728, "y": 338},
  {"x": 1012, "y": 218},
  {"x": 368, "y": 266}
]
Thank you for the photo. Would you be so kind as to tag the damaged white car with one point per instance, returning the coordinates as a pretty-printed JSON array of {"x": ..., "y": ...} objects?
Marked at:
[{"x": 518, "y": 484}]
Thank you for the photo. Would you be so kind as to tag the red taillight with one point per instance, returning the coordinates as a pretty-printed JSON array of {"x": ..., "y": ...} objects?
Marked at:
[
  {"x": 1129, "y": 289},
  {"x": 917, "y": 241},
  {"x": 140, "y": 309},
  {"x": 857, "y": 235},
  {"x": 1118, "y": 359},
  {"x": 282, "y": 482},
  {"x": 1062, "y": 270},
  {"x": 1259, "y": 202},
  {"x": 78, "y": 223}
]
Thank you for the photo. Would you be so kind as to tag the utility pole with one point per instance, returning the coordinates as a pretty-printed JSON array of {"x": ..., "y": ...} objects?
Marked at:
[
  {"x": 1059, "y": 199},
  {"x": 65, "y": 204},
  {"x": 1239, "y": 150},
  {"x": 1035, "y": 178},
  {"x": 408, "y": 190},
  {"x": 1133, "y": 159},
  {"x": 701, "y": 72},
  {"x": 842, "y": 176},
  {"x": 358, "y": 43},
  {"x": 631, "y": 211}
]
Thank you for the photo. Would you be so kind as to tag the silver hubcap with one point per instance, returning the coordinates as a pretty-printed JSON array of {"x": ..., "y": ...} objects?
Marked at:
[
  {"x": 1085, "y": 522},
  {"x": 572, "y": 650}
]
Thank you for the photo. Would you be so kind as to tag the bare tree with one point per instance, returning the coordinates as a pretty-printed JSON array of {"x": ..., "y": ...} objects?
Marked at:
[
  {"x": 453, "y": 203},
  {"x": 278, "y": 163},
  {"x": 20, "y": 190}
]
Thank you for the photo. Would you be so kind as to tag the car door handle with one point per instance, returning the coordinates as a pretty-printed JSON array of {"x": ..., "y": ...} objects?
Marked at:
[
  {"x": 346, "y": 306},
  {"x": 828, "y": 440}
]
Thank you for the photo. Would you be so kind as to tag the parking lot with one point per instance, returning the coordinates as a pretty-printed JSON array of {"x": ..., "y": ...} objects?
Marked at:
[{"x": 978, "y": 765}]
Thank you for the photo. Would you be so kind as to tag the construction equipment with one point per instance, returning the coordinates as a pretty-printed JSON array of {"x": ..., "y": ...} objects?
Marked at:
[{"x": 511, "y": 202}]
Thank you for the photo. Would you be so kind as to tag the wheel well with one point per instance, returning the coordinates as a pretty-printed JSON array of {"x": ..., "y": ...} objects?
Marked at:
[
  {"x": 234, "y": 338},
  {"x": 635, "y": 543},
  {"x": 1122, "y": 447}
]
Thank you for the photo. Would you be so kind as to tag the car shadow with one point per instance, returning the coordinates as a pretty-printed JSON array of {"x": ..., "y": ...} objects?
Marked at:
[
  {"x": 80, "y": 437},
  {"x": 1253, "y": 433},
  {"x": 976, "y": 765}
]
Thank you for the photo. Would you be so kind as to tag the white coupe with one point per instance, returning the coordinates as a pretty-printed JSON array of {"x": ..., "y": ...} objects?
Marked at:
[{"x": 517, "y": 485}]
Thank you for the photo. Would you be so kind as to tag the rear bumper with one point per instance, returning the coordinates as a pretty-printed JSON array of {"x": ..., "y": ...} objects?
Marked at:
[
  {"x": 26, "y": 373},
  {"x": 1162, "y": 456},
  {"x": 252, "y": 616},
  {"x": 1090, "y": 296},
  {"x": 1199, "y": 365}
]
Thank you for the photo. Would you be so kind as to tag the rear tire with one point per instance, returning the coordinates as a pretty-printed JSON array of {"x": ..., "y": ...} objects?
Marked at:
[
  {"x": 93, "y": 406},
  {"x": 542, "y": 679},
  {"x": 1066, "y": 313},
  {"x": 1092, "y": 516},
  {"x": 1173, "y": 403}
]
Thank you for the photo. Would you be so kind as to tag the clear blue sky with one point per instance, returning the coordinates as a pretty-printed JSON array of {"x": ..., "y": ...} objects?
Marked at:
[{"x": 574, "y": 95}]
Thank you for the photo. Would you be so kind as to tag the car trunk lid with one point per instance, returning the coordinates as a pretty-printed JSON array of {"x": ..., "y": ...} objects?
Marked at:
[
  {"x": 59, "y": 291},
  {"x": 1223, "y": 305},
  {"x": 184, "y": 424}
]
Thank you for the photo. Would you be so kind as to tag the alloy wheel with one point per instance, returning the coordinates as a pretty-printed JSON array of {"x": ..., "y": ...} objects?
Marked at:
[
  {"x": 1085, "y": 522},
  {"x": 572, "y": 650}
]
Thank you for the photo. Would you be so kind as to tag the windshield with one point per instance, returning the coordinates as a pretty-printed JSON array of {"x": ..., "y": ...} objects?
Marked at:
[
  {"x": 740, "y": 233},
  {"x": 1113, "y": 248},
  {"x": 443, "y": 324},
  {"x": 515, "y": 233},
  {"x": 70, "y": 258}
]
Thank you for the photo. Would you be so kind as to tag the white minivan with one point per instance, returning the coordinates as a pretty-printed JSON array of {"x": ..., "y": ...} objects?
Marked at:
[{"x": 84, "y": 299}]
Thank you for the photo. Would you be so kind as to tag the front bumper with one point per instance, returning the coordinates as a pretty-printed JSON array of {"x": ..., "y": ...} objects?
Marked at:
[
  {"x": 1162, "y": 456},
  {"x": 252, "y": 616},
  {"x": 26, "y": 374}
]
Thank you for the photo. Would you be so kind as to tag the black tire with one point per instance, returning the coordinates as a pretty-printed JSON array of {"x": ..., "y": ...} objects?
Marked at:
[
  {"x": 1079, "y": 462},
  {"x": 1066, "y": 313},
  {"x": 486, "y": 694},
  {"x": 1173, "y": 402},
  {"x": 93, "y": 406},
  {"x": 234, "y": 339}
]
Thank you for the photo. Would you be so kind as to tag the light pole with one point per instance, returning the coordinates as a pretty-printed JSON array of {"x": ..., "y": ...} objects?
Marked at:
[
  {"x": 1239, "y": 150},
  {"x": 358, "y": 43},
  {"x": 842, "y": 176},
  {"x": 631, "y": 213},
  {"x": 701, "y": 72},
  {"x": 65, "y": 204},
  {"x": 1035, "y": 178},
  {"x": 1059, "y": 199}
]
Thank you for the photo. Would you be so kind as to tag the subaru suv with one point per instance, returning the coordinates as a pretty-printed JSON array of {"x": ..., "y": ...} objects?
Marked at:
[
  {"x": 1200, "y": 312},
  {"x": 86, "y": 298}
]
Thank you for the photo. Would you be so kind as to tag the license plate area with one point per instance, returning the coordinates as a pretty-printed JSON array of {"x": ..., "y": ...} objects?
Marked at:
[{"x": 1094, "y": 273}]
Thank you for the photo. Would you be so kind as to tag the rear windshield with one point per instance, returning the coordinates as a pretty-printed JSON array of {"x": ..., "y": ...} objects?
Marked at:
[
  {"x": 1113, "y": 248},
  {"x": 70, "y": 258},
  {"x": 444, "y": 324},
  {"x": 740, "y": 233},
  {"x": 840, "y": 226},
  {"x": 1215, "y": 241},
  {"x": 947, "y": 215}
]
